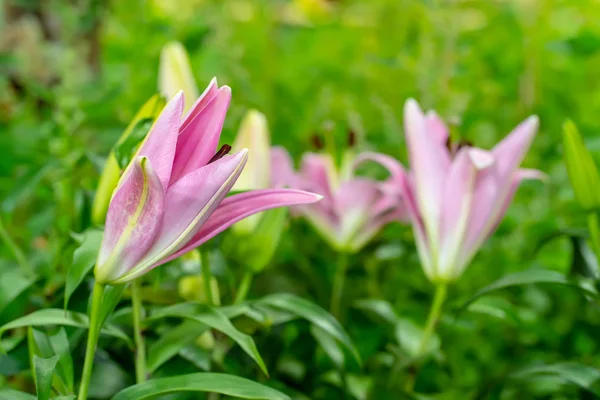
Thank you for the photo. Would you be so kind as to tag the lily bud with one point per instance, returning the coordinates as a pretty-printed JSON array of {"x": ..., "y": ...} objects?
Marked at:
[
  {"x": 111, "y": 172},
  {"x": 583, "y": 172},
  {"x": 175, "y": 74},
  {"x": 254, "y": 136}
]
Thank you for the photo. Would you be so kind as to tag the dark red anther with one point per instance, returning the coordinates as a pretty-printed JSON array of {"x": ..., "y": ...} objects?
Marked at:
[
  {"x": 351, "y": 138},
  {"x": 219, "y": 154},
  {"x": 317, "y": 142}
]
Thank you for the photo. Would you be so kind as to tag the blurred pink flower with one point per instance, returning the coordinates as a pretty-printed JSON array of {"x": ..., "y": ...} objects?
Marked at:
[
  {"x": 171, "y": 197},
  {"x": 353, "y": 209},
  {"x": 456, "y": 197}
]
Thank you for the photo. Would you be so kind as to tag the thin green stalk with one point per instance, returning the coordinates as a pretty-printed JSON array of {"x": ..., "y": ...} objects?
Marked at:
[
  {"x": 92, "y": 342},
  {"x": 244, "y": 287},
  {"x": 16, "y": 250},
  {"x": 338, "y": 284},
  {"x": 140, "y": 345},
  {"x": 594, "y": 228},
  {"x": 441, "y": 291},
  {"x": 207, "y": 277}
]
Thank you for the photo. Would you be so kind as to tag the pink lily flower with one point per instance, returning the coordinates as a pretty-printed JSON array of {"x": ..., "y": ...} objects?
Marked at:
[
  {"x": 456, "y": 195},
  {"x": 353, "y": 209},
  {"x": 171, "y": 197}
]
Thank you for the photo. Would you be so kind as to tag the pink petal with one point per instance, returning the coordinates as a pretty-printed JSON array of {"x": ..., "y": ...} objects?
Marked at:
[
  {"x": 206, "y": 97},
  {"x": 198, "y": 139},
  {"x": 240, "y": 206},
  {"x": 193, "y": 198},
  {"x": 438, "y": 129},
  {"x": 509, "y": 153},
  {"x": 319, "y": 171},
  {"x": 282, "y": 168},
  {"x": 133, "y": 221},
  {"x": 457, "y": 205},
  {"x": 160, "y": 144},
  {"x": 429, "y": 165}
]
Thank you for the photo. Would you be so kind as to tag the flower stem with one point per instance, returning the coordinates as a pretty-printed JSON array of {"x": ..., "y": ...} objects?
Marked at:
[
  {"x": 244, "y": 287},
  {"x": 338, "y": 284},
  {"x": 594, "y": 228},
  {"x": 441, "y": 290},
  {"x": 92, "y": 342},
  {"x": 140, "y": 346},
  {"x": 207, "y": 276}
]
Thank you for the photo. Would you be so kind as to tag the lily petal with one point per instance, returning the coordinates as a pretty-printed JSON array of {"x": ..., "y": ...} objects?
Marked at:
[
  {"x": 161, "y": 142},
  {"x": 206, "y": 97},
  {"x": 353, "y": 202},
  {"x": 239, "y": 206},
  {"x": 133, "y": 221},
  {"x": 190, "y": 202},
  {"x": 438, "y": 129},
  {"x": 319, "y": 170},
  {"x": 198, "y": 140},
  {"x": 428, "y": 161},
  {"x": 282, "y": 168},
  {"x": 509, "y": 153}
]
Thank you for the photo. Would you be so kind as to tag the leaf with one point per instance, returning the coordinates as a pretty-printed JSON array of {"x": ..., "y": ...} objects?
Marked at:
[
  {"x": 172, "y": 342},
  {"x": 112, "y": 296},
  {"x": 54, "y": 316},
  {"x": 13, "y": 282},
  {"x": 410, "y": 336},
  {"x": 44, "y": 371},
  {"x": 313, "y": 313},
  {"x": 527, "y": 277},
  {"x": 9, "y": 394},
  {"x": 584, "y": 262},
  {"x": 329, "y": 345},
  {"x": 215, "y": 319},
  {"x": 228, "y": 385},
  {"x": 381, "y": 308},
  {"x": 60, "y": 344},
  {"x": 84, "y": 259},
  {"x": 575, "y": 373},
  {"x": 125, "y": 149}
]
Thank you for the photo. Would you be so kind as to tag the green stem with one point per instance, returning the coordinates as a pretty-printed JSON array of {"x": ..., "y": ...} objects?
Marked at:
[
  {"x": 594, "y": 228},
  {"x": 338, "y": 285},
  {"x": 435, "y": 312},
  {"x": 244, "y": 287},
  {"x": 207, "y": 276},
  {"x": 140, "y": 346},
  {"x": 92, "y": 342},
  {"x": 16, "y": 250}
]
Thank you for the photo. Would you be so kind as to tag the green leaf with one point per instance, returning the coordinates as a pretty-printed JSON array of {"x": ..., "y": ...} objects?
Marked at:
[
  {"x": 84, "y": 259},
  {"x": 44, "y": 371},
  {"x": 53, "y": 316},
  {"x": 329, "y": 345},
  {"x": 69, "y": 397},
  {"x": 112, "y": 296},
  {"x": 172, "y": 342},
  {"x": 9, "y": 394},
  {"x": 575, "y": 373},
  {"x": 527, "y": 277},
  {"x": 215, "y": 319},
  {"x": 13, "y": 282},
  {"x": 60, "y": 344},
  {"x": 313, "y": 313},
  {"x": 228, "y": 385},
  {"x": 125, "y": 149}
]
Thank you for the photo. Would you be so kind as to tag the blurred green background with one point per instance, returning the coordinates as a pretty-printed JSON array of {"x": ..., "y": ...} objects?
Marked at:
[{"x": 75, "y": 72}]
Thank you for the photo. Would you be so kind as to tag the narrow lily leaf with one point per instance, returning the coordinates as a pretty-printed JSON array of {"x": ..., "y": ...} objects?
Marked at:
[
  {"x": 571, "y": 372},
  {"x": 228, "y": 385},
  {"x": 44, "y": 371},
  {"x": 124, "y": 150},
  {"x": 313, "y": 313},
  {"x": 329, "y": 345},
  {"x": 84, "y": 259},
  {"x": 215, "y": 319},
  {"x": 60, "y": 344},
  {"x": 69, "y": 397},
  {"x": 54, "y": 316},
  {"x": 172, "y": 342},
  {"x": 13, "y": 282},
  {"x": 112, "y": 296},
  {"x": 9, "y": 394},
  {"x": 527, "y": 277},
  {"x": 583, "y": 172}
]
